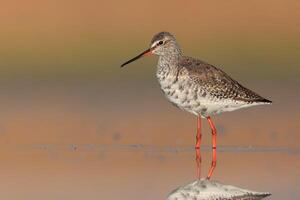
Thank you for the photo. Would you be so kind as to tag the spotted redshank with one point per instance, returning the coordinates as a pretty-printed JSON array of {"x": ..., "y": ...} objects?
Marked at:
[{"x": 196, "y": 86}]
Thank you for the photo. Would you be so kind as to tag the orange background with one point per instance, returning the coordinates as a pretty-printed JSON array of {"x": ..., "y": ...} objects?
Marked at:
[{"x": 67, "y": 109}]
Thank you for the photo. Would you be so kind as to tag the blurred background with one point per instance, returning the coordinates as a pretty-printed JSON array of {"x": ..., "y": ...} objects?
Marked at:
[{"x": 75, "y": 125}]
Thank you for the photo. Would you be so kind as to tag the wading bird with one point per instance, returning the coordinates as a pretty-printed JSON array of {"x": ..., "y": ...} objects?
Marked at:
[{"x": 196, "y": 86}]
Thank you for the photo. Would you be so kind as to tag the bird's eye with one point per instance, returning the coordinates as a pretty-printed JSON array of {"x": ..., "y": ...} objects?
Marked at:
[{"x": 160, "y": 42}]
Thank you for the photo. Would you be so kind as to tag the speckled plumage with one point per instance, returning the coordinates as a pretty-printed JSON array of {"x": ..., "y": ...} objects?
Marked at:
[
  {"x": 196, "y": 86},
  {"x": 193, "y": 85}
]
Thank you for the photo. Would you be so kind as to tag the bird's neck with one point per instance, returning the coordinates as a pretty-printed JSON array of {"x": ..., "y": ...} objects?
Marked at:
[
  {"x": 167, "y": 64},
  {"x": 169, "y": 60}
]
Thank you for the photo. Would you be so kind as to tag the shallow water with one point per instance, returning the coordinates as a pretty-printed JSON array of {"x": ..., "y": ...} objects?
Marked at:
[
  {"x": 85, "y": 142},
  {"x": 90, "y": 171}
]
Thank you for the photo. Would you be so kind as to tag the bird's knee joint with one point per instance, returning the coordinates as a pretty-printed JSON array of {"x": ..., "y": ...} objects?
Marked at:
[
  {"x": 198, "y": 137},
  {"x": 213, "y": 163}
]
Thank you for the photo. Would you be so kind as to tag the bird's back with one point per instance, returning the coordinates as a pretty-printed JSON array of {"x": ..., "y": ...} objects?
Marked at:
[{"x": 217, "y": 83}]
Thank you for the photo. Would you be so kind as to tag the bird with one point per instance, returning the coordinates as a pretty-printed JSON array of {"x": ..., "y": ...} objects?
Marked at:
[{"x": 197, "y": 87}]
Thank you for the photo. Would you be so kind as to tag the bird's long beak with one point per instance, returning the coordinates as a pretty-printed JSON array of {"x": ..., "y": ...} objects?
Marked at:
[{"x": 145, "y": 53}]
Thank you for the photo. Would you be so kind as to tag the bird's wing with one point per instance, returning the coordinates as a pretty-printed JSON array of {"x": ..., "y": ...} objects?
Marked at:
[{"x": 217, "y": 83}]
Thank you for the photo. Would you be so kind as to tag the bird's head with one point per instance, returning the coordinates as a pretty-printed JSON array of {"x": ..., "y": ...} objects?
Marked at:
[{"x": 162, "y": 44}]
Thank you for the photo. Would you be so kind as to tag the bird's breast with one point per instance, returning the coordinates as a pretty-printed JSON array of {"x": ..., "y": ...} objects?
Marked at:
[{"x": 182, "y": 92}]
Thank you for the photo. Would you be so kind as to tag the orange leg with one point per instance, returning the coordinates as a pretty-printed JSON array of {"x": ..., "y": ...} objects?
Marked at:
[
  {"x": 198, "y": 136},
  {"x": 214, "y": 147},
  {"x": 197, "y": 147},
  {"x": 198, "y": 163}
]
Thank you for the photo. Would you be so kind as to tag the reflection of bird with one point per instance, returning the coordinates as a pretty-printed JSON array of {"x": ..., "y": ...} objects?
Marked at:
[
  {"x": 196, "y": 86},
  {"x": 212, "y": 190}
]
